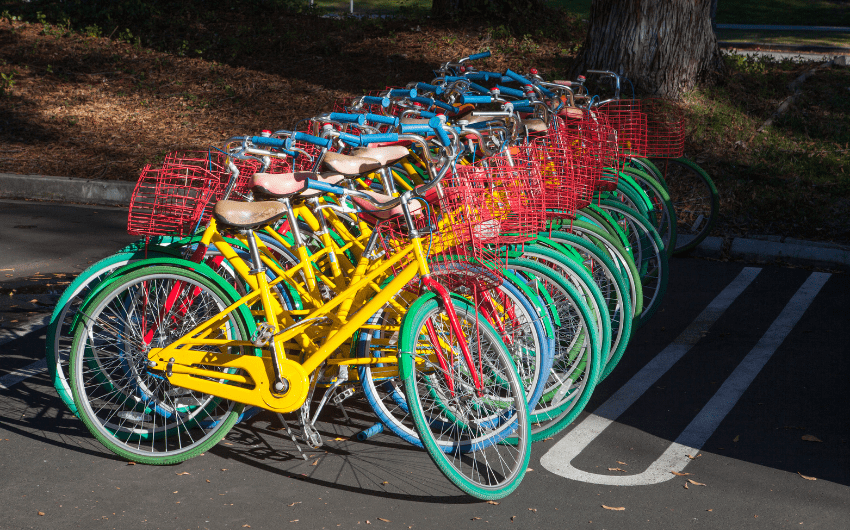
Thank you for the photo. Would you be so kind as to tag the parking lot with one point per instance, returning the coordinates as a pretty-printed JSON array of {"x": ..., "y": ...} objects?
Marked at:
[{"x": 738, "y": 385}]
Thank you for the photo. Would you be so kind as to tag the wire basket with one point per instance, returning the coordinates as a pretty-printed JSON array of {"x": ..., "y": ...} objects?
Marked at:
[
  {"x": 214, "y": 161},
  {"x": 560, "y": 187},
  {"x": 171, "y": 200},
  {"x": 665, "y": 128},
  {"x": 626, "y": 117},
  {"x": 593, "y": 147},
  {"x": 504, "y": 197}
]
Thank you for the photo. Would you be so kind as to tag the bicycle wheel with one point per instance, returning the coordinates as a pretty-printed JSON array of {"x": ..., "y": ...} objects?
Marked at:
[
  {"x": 59, "y": 336},
  {"x": 650, "y": 257},
  {"x": 527, "y": 335},
  {"x": 613, "y": 286},
  {"x": 663, "y": 213},
  {"x": 578, "y": 351},
  {"x": 135, "y": 412},
  {"x": 695, "y": 200},
  {"x": 462, "y": 407}
]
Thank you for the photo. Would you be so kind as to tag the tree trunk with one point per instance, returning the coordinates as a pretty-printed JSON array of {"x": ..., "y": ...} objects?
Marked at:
[{"x": 662, "y": 46}]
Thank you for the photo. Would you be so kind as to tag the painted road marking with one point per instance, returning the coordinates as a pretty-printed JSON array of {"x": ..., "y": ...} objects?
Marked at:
[
  {"x": 675, "y": 458},
  {"x": 13, "y": 378}
]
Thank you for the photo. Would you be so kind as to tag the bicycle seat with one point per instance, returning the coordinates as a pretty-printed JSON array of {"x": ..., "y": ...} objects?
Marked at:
[
  {"x": 368, "y": 207},
  {"x": 350, "y": 165},
  {"x": 248, "y": 215},
  {"x": 535, "y": 125},
  {"x": 386, "y": 155},
  {"x": 282, "y": 185}
]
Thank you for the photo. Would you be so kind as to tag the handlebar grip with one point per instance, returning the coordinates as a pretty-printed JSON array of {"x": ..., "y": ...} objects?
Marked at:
[
  {"x": 269, "y": 142},
  {"x": 481, "y": 55},
  {"x": 508, "y": 91},
  {"x": 522, "y": 103},
  {"x": 415, "y": 128},
  {"x": 480, "y": 76},
  {"x": 437, "y": 124},
  {"x": 378, "y": 138},
  {"x": 524, "y": 108},
  {"x": 426, "y": 114},
  {"x": 445, "y": 106},
  {"x": 323, "y": 142},
  {"x": 471, "y": 98},
  {"x": 478, "y": 88},
  {"x": 351, "y": 139},
  {"x": 374, "y": 100},
  {"x": 378, "y": 118},
  {"x": 359, "y": 119},
  {"x": 402, "y": 93},
  {"x": 425, "y": 87},
  {"x": 522, "y": 80}
]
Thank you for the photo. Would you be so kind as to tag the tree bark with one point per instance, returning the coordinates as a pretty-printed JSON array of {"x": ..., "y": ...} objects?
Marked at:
[{"x": 663, "y": 46}]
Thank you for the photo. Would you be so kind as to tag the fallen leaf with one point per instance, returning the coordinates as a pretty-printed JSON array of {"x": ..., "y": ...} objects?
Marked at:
[
  {"x": 294, "y": 521},
  {"x": 680, "y": 474},
  {"x": 529, "y": 469},
  {"x": 686, "y": 485},
  {"x": 368, "y": 521},
  {"x": 532, "y": 509},
  {"x": 315, "y": 463},
  {"x": 709, "y": 510},
  {"x": 384, "y": 520},
  {"x": 294, "y": 503},
  {"x": 616, "y": 469},
  {"x": 811, "y": 438},
  {"x": 694, "y": 457},
  {"x": 227, "y": 443},
  {"x": 34, "y": 300},
  {"x": 492, "y": 502},
  {"x": 513, "y": 517},
  {"x": 625, "y": 464},
  {"x": 183, "y": 473},
  {"x": 224, "y": 469},
  {"x": 476, "y": 518},
  {"x": 737, "y": 437},
  {"x": 131, "y": 463},
  {"x": 340, "y": 439},
  {"x": 805, "y": 477},
  {"x": 385, "y": 482},
  {"x": 208, "y": 480},
  {"x": 175, "y": 492},
  {"x": 246, "y": 526},
  {"x": 620, "y": 509},
  {"x": 695, "y": 483},
  {"x": 40, "y": 513}
]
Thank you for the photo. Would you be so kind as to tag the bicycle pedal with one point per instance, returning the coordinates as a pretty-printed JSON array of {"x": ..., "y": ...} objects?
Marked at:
[
  {"x": 342, "y": 396},
  {"x": 311, "y": 436},
  {"x": 264, "y": 334}
]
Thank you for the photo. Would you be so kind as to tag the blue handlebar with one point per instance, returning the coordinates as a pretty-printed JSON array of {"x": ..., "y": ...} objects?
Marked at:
[
  {"x": 425, "y": 87},
  {"x": 325, "y": 187},
  {"x": 523, "y": 108},
  {"x": 374, "y": 100},
  {"x": 478, "y": 88},
  {"x": 378, "y": 118},
  {"x": 351, "y": 139},
  {"x": 471, "y": 98},
  {"x": 402, "y": 93},
  {"x": 522, "y": 80},
  {"x": 416, "y": 128},
  {"x": 437, "y": 124},
  {"x": 359, "y": 119},
  {"x": 378, "y": 138},
  {"x": 513, "y": 92},
  {"x": 482, "y": 55},
  {"x": 268, "y": 142},
  {"x": 323, "y": 142}
]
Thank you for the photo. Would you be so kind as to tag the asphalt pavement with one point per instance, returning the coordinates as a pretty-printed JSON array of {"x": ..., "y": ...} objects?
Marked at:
[{"x": 738, "y": 384}]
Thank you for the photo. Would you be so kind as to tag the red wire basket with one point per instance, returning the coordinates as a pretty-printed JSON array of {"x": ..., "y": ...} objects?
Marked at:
[
  {"x": 665, "y": 128},
  {"x": 504, "y": 201},
  {"x": 172, "y": 200},
  {"x": 626, "y": 117},
  {"x": 560, "y": 187},
  {"x": 591, "y": 143},
  {"x": 214, "y": 162}
]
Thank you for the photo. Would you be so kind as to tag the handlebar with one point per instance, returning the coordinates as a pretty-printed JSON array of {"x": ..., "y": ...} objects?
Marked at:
[{"x": 608, "y": 73}]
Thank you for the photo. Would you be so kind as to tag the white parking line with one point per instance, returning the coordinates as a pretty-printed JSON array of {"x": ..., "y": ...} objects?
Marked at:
[
  {"x": 675, "y": 458},
  {"x": 13, "y": 378},
  {"x": 8, "y": 335}
]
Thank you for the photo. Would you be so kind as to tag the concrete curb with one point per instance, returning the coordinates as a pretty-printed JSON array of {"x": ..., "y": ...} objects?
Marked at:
[
  {"x": 776, "y": 249},
  {"x": 65, "y": 189},
  {"x": 803, "y": 49}
]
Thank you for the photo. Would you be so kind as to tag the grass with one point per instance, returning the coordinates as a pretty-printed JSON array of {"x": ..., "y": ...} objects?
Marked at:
[
  {"x": 813, "y": 38},
  {"x": 794, "y": 178}
]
